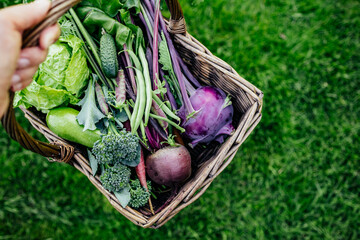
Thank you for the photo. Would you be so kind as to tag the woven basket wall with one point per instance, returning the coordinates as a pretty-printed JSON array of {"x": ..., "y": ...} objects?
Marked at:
[{"x": 207, "y": 68}]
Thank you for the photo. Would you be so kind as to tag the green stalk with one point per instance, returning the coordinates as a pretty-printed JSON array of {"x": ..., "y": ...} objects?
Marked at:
[
  {"x": 148, "y": 89},
  {"x": 86, "y": 35},
  {"x": 81, "y": 31},
  {"x": 163, "y": 107},
  {"x": 168, "y": 121},
  {"x": 147, "y": 20}
]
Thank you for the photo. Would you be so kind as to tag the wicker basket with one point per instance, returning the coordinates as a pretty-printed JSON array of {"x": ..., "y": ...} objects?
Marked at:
[{"x": 206, "y": 67}]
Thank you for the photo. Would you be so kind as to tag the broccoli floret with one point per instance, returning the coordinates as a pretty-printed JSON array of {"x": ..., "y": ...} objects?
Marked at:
[
  {"x": 139, "y": 195},
  {"x": 116, "y": 178},
  {"x": 118, "y": 147}
]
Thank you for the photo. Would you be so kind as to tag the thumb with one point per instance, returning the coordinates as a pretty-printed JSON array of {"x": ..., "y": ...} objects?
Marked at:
[{"x": 27, "y": 15}]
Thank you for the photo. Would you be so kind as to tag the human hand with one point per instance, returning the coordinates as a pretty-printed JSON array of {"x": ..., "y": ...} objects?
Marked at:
[{"x": 17, "y": 66}]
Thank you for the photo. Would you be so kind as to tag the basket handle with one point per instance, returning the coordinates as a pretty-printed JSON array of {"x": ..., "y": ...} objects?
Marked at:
[
  {"x": 177, "y": 24},
  {"x": 57, "y": 151}
]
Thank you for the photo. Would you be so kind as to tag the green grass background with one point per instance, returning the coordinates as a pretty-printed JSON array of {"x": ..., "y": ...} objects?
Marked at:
[{"x": 296, "y": 177}]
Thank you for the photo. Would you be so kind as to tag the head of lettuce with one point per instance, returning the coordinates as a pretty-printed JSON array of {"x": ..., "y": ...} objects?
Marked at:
[{"x": 60, "y": 80}]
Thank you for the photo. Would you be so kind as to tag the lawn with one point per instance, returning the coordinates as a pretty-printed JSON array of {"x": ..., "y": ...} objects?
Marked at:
[{"x": 296, "y": 177}]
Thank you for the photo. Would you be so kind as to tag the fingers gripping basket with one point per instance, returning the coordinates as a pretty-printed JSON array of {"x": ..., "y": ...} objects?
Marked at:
[{"x": 206, "y": 67}]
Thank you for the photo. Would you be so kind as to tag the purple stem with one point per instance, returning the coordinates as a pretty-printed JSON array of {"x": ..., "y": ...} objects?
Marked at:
[
  {"x": 148, "y": 33},
  {"x": 149, "y": 60},
  {"x": 156, "y": 47},
  {"x": 187, "y": 73},
  {"x": 149, "y": 5},
  {"x": 158, "y": 128},
  {"x": 189, "y": 87},
  {"x": 173, "y": 53},
  {"x": 150, "y": 13},
  {"x": 128, "y": 66}
]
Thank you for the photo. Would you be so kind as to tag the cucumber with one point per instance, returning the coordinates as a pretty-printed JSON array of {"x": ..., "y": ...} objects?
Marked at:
[
  {"x": 108, "y": 55},
  {"x": 62, "y": 121}
]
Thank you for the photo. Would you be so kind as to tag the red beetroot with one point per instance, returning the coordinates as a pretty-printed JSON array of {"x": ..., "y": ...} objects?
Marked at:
[{"x": 169, "y": 166}]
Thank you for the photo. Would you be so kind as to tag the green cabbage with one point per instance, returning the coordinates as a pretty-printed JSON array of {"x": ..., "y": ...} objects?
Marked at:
[{"x": 60, "y": 80}]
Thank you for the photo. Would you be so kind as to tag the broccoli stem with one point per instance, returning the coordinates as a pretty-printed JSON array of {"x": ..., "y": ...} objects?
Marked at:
[{"x": 112, "y": 128}]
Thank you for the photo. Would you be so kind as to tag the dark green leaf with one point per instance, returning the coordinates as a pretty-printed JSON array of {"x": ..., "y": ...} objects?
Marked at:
[
  {"x": 110, "y": 7},
  {"x": 132, "y": 4},
  {"x": 95, "y": 19}
]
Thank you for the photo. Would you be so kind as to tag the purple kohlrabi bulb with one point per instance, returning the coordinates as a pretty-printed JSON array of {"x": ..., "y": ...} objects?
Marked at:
[{"x": 212, "y": 119}]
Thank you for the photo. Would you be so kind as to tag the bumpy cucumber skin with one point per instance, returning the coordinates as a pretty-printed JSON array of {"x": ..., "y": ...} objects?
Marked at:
[
  {"x": 62, "y": 121},
  {"x": 108, "y": 56}
]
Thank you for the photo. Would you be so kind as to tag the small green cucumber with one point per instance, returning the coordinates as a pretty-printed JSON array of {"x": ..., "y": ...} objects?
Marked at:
[
  {"x": 108, "y": 55},
  {"x": 62, "y": 121}
]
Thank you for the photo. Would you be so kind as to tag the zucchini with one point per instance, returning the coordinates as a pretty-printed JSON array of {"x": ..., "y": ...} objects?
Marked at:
[
  {"x": 62, "y": 121},
  {"x": 108, "y": 55}
]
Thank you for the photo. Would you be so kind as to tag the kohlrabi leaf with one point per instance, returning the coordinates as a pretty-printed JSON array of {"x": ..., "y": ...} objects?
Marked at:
[
  {"x": 110, "y": 7},
  {"x": 89, "y": 114},
  {"x": 123, "y": 197},
  {"x": 165, "y": 58},
  {"x": 94, "y": 20}
]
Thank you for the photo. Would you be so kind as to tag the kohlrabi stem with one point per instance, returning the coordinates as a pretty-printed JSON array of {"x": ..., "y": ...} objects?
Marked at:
[
  {"x": 188, "y": 106},
  {"x": 149, "y": 7},
  {"x": 148, "y": 33},
  {"x": 156, "y": 47},
  {"x": 187, "y": 72},
  {"x": 191, "y": 90},
  {"x": 173, "y": 53},
  {"x": 144, "y": 16}
]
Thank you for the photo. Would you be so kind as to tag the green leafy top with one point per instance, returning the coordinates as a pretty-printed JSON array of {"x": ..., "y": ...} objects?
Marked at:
[
  {"x": 89, "y": 114},
  {"x": 110, "y": 7},
  {"x": 95, "y": 19}
]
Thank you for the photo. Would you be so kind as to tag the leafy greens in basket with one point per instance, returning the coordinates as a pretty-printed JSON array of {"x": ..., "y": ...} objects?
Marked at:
[{"x": 60, "y": 80}]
